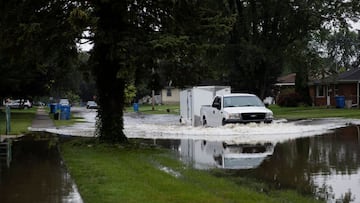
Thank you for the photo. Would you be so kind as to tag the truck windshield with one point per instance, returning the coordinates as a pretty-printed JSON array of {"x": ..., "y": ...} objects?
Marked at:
[{"x": 241, "y": 101}]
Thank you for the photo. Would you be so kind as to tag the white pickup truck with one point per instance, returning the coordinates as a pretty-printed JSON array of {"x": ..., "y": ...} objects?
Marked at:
[{"x": 235, "y": 108}]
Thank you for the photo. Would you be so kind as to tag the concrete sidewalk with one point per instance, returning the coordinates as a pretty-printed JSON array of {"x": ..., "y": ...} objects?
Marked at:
[{"x": 42, "y": 120}]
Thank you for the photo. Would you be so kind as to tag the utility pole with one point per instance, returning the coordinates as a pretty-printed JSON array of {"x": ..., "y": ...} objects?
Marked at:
[
  {"x": 8, "y": 120},
  {"x": 153, "y": 91},
  {"x": 153, "y": 99}
]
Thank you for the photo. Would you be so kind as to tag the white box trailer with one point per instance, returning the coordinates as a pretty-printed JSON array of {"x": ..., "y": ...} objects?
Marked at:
[{"x": 192, "y": 99}]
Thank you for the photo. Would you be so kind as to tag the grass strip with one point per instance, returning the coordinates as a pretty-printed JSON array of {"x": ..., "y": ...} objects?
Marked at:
[
  {"x": 114, "y": 173},
  {"x": 158, "y": 109}
]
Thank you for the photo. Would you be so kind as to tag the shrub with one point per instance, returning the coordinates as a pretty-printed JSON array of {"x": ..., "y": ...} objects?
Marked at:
[{"x": 291, "y": 99}]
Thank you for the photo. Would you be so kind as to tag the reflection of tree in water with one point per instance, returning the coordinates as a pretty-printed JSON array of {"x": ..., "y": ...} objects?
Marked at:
[
  {"x": 347, "y": 197},
  {"x": 339, "y": 151},
  {"x": 294, "y": 163},
  {"x": 288, "y": 166},
  {"x": 36, "y": 174},
  {"x": 325, "y": 192}
]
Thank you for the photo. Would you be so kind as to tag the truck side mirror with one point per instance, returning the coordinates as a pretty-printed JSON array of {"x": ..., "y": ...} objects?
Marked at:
[{"x": 216, "y": 105}]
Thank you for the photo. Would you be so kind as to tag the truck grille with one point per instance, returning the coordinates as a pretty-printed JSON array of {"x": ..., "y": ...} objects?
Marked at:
[{"x": 253, "y": 116}]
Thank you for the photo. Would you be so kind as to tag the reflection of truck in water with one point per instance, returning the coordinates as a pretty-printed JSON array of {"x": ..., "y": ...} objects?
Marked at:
[
  {"x": 213, "y": 154},
  {"x": 245, "y": 156},
  {"x": 235, "y": 108}
]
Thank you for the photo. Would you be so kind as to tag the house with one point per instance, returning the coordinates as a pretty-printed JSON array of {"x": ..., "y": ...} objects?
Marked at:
[
  {"x": 325, "y": 92},
  {"x": 286, "y": 81},
  {"x": 170, "y": 95},
  {"x": 284, "y": 84}
]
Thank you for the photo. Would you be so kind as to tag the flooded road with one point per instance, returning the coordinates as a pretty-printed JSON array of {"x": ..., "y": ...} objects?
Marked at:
[
  {"x": 326, "y": 166},
  {"x": 314, "y": 156},
  {"x": 168, "y": 127},
  {"x": 37, "y": 174}
]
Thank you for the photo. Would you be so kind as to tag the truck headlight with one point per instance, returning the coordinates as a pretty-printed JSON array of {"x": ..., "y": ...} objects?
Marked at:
[
  {"x": 269, "y": 115},
  {"x": 235, "y": 116}
]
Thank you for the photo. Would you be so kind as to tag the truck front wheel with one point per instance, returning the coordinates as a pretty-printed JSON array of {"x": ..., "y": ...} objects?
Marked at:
[{"x": 223, "y": 122}]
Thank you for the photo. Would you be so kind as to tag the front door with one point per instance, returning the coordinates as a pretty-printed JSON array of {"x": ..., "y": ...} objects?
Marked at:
[{"x": 215, "y": 114}]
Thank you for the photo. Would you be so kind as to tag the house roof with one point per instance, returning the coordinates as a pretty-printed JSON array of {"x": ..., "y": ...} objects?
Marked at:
[
  {"x": 286, "y": 80},
  {"x": 351, "y": 75}
]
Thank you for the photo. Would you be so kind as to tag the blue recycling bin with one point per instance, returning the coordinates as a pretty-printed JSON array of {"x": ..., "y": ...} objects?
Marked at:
[
  {"x": 340, "y": 102},
  {"x": 53, "y": 108},
  {"x": 64, "y": 112},
  {"x": 136, "y": 107}
]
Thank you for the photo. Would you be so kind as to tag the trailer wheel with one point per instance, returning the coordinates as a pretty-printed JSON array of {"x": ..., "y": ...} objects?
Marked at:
[{"x": 204, "y": 121}]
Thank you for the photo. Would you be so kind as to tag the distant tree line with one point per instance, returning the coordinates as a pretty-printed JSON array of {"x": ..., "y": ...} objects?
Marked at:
[{"x": 145, "y": 44}]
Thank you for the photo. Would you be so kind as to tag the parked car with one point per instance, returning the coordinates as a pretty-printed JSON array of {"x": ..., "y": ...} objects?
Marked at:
[
  {"x": 39, "y": 103},
  {"x": 64, "y": 102},
  {"x": 91, "y": 105},
  {"x": 19, "y": 104}
]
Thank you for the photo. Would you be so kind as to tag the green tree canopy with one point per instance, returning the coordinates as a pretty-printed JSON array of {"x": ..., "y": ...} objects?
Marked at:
[
  {"x": 266, "y": 31},
  {"x": 37, "y": 46}
]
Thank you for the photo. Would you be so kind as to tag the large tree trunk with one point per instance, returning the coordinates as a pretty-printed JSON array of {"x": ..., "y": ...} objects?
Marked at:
[
  {"x": 107, "y": 64},
  {"x": 301, "y": 85}
]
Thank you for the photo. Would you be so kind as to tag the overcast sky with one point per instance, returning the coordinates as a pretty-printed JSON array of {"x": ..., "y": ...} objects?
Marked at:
[{"x": 355, "y": 26}]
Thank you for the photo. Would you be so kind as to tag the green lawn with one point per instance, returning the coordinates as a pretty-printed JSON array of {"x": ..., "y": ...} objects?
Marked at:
[
  {"x": 313, "y": 112},
  {"x": 133, "y": 173},
  {"x": 20, "y": 120}
]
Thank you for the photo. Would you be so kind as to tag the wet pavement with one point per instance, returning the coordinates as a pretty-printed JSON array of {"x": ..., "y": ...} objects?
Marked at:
[
  {"x": 42, "y": 119},
  {"x": 36, "y": 173}
]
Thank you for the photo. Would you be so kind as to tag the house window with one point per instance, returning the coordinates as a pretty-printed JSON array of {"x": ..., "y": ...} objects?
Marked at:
[
  {"x": 168, "y": 92},
  {"x": 320, "y": 91}
]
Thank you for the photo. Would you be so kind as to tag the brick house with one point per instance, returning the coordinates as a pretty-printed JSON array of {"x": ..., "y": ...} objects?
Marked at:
[{"x": 326, "y": 91}]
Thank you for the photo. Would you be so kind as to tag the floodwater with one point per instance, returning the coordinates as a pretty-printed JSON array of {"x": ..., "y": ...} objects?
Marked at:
[
  {"x": 315, "y": 156},
  {"x": 37, "y": 174},
  {"x": 326, "y": 166}
]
